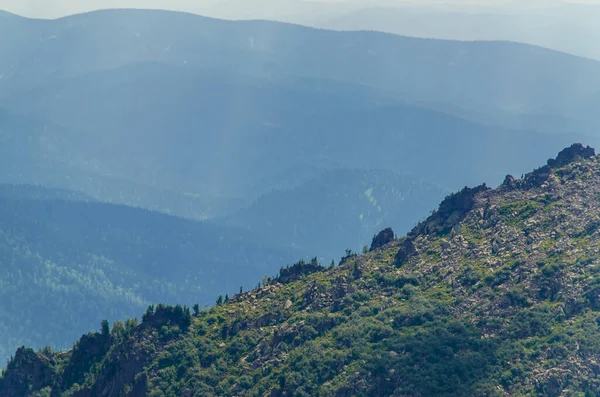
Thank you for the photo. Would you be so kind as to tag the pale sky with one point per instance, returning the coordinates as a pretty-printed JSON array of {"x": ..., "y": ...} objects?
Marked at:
[{"x": 246, "y": 8}]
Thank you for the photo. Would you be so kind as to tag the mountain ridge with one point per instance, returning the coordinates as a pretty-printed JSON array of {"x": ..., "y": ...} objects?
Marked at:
[
  {"x": 278, "y": 22},
  {"x": 266, "y": 39},
  {"x": 495, "y": 294}
]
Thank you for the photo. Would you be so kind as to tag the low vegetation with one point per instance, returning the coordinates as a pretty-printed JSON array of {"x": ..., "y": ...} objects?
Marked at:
[{"x": 486, "y": 308}]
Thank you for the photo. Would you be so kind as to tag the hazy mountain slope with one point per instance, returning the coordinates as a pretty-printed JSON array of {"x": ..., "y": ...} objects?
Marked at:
[
  {"x": 338, "y": 210},
  {"x": 484, "y": 76},
  {"x": 211, "y": 135},
  {"x": 65, "y": 264},
  {"x": 495, "y": 294},
  {"x": 17, "y": 170},
  {"x": 569, "y": 28},
  {"x": 37, "y": 151},
  {"x": 197, "y": 117},
  {"x": 177, "y": 122},
  {"x": 55, "y": 174},
  {"x": 32, "y": 192}
]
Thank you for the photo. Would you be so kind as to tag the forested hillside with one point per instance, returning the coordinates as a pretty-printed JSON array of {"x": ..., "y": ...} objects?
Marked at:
[
  {"x": 495, "y": 294},
  {"x": 65, "y": 264}
]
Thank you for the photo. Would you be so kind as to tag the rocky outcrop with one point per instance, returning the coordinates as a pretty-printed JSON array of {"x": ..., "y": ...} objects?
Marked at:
[
  {"x": 168, "y": 315},
  {"x": 536, "y": 178},
  {"x": 509, "y": 182},
  {"x": 27, "y": 371},
  {"x": 573, "y": 153},
  {"x": 298, "y": 270},
  {"x": 541, "y": 175},
  {"x": 90, "y": 350},
  {"x": 121, "y": 368},
  {"x": 407, "y": 248},
  {"x": 384, "y": 237},
  {"x": 451, "y": 211}
]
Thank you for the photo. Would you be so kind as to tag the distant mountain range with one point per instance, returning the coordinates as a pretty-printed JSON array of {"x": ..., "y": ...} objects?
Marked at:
[
  {"x": 287, "y": 142},
  {"x": 563, "y": 25},
  {"x": 499, "y": 78}
]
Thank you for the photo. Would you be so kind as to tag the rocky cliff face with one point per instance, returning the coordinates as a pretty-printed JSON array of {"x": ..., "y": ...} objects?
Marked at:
[
  {"x": 497, "y": 293},
  {"x": 26, "y": 372},
  {"x": 384, "y": 237}
]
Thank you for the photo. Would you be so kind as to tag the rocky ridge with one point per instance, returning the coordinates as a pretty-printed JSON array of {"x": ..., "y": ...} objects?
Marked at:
[{"x": 497, "y": 293}]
